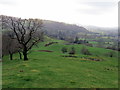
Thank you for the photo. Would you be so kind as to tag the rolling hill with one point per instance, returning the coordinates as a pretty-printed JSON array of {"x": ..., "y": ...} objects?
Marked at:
[
  {"x": 62, "y": 30},
  {"x": 55, "y": 26},
  {"x": 50, "y": 70}
]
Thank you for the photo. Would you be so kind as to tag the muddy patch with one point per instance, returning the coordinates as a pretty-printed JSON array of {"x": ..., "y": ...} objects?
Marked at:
[{"x": 44, "y": 51}]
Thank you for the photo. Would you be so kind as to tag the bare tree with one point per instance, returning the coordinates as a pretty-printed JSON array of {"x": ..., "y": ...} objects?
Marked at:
[
  {"x": 9, "y": 44},
  {"x": 25, "y": 32}
]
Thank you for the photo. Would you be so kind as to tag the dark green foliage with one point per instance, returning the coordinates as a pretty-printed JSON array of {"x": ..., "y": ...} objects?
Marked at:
[
  {"x": 72, "y": 51},
  {"x": 77, "y": 41},
  {"x": 82, "y": 41},
  {"x": 64, "y": 50},
  {"x": 85, "y": 51}
]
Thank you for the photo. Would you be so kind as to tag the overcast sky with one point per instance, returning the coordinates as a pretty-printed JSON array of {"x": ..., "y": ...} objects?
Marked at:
[{"x": 102, "y": 13}]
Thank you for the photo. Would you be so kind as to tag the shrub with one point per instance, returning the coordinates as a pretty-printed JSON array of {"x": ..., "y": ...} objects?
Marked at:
[
  {"x": 72, "y": 51},
  {"x": 64, "y": 50},
  {"x": 76, "y": 40},
  {"x": 85, "y": 51}
]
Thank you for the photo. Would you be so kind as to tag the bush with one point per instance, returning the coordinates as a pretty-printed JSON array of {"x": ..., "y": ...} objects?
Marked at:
[
  {"x": 85, "y": 51},
  {"x": 64, "y": 50},
  {"x": 72, "y": 51},
  {"x": 77, "y": 41}
]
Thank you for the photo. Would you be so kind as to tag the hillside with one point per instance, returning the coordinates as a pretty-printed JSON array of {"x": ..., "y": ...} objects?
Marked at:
[
  {"x": 46, "y": 68},
  {"x": 55, "y": 26},
  {"x": 67, "y": 56},
  {"x": 61, "y": 30}
]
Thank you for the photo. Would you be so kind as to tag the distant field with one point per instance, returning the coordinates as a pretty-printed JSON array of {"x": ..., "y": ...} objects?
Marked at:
[
  {"x": 51, "y": 70},
  {"x": 93, "y": 42}
]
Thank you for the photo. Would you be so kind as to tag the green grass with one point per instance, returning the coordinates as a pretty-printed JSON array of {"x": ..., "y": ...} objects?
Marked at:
[
  {"x": 51, "y": 70},
  {"x": 93, "y": 42}
]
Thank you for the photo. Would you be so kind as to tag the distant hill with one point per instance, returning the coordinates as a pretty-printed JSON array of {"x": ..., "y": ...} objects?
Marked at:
[
  {"x": 104, "y": 30},
  {"x": 62, "y": 30},
  {"x": 53, "y": 26}
]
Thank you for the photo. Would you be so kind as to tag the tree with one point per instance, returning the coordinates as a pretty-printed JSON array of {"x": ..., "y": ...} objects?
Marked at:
[
  {"x": 9, "y": 44},
  {"x": 72, "y": 51},
  {"x": 85, "y": 51},
  {"x": 64, "y": 50},
  {"x": 76, "y": 40},
  {"x": 25, "y": 32}
]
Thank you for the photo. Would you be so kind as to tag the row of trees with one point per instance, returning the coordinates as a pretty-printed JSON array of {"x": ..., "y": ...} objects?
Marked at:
[
  {"x": 20, "y": 35},
  {"x": 72, "y": 51},
  {"x": 84, "y": 51},
  {"x": 77, "y": 41}
]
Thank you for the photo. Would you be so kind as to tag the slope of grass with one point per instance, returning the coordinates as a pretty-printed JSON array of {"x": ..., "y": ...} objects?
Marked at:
[{"x": 51, "y": 70}]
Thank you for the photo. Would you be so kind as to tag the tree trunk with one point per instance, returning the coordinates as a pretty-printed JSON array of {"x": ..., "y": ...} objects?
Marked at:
[
  {"x": 11, "y": 56},
  {"x": 20, "y": 54},
  {"x": 2, "y": 56},
  {"x": 25, "y": 57},
  {"x": 25, "y": 53}
]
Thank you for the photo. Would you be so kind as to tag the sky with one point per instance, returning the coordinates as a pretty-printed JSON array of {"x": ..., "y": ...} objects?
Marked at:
[{"x": 102, "y": 13}]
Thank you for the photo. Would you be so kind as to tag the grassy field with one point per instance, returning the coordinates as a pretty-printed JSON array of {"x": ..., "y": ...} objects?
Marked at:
[{"x": 51, "y": 70}]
